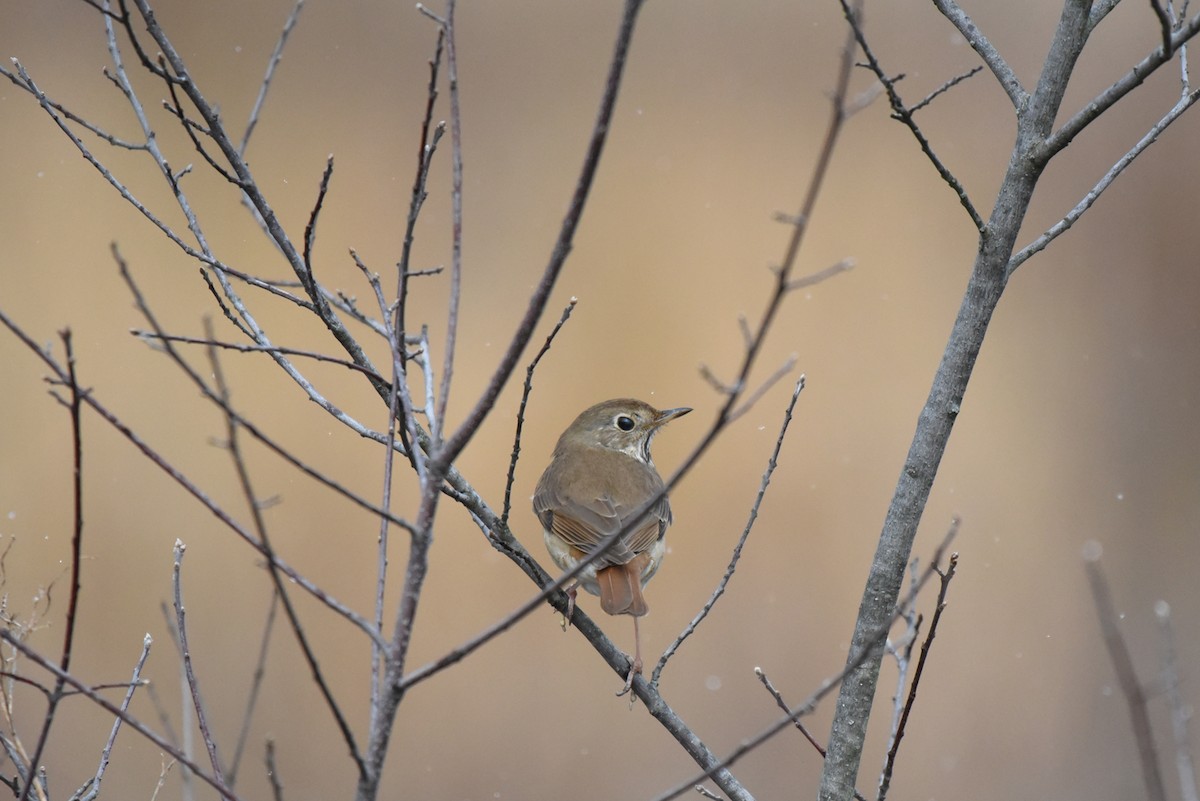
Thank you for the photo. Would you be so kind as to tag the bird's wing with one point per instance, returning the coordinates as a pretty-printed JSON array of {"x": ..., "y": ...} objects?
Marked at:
[{"x": 588, "y": 518}]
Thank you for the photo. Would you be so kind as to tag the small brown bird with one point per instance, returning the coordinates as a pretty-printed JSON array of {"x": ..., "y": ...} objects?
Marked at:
[{"x": 601, "y": 475}]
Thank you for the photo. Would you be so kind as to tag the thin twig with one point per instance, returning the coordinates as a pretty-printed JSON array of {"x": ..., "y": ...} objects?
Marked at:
[
  {"x": 772, "y": 463},
  {"x": 272, "y": 64},
  {"x": 904, "y": 114},
  {"x": 281, "y": 592},
  {"x": 74, "y": 406},
  {"x": 947, "y": 86},
  {"x": 754, "y": 397},
  {"x": 114, "y": 709},
  {"x": 991, "y": 56},
  {"x": 562, "y": 247},
  {"x": 945, "y": 578},
  {"x": 782, "y": 704},
  {"x": 192, "y": 128},
  {"x": 827, "y": 686},
  {"x": 821, "y": 275},
  {"x": 75, "y": 118},
  {"x": 502, "y": 538},
  {"x": 310, "y": 231},
  {"x": 427, "y": 146},
  {"x": 244, "y": 347},
  {"x": 1165, "y": 23},
  {"x": 1102, "y": 102},
  {"x": 399, "y": 408},
  {"x": 398, "y": 390},
  {"x": 1061, "y": 227},
  {"x": 273, "y": 772},
  {"x": 163, "y": 464},
  {"x": 516, "y": 448},
  {"x": 1181, "y": 712},
  {"x": 1131, "y": 688},
  {"x": 214, "y": 397},
  {"x": 210, "y": 743},
  {"x": 456, "y": 217},
  {"x": 256, "y": 683},
  {"x": 135, "y": 681}
]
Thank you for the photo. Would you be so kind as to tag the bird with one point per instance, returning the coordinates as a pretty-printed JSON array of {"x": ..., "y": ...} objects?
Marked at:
[{"x": 601, "y": 480}]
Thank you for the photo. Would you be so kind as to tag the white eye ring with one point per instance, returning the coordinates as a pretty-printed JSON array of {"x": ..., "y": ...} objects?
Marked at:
[{"x": 624, "y": 422}]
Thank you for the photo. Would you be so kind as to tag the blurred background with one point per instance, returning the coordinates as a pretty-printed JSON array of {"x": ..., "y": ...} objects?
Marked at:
[{"x": 1079, "y": 424}]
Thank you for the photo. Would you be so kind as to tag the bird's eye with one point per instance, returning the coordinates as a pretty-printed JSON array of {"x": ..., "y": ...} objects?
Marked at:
[{"x": 625, "y": 423}]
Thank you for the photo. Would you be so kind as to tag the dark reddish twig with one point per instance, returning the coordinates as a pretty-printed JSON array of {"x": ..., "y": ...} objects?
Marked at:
[{"x": 73, "y": 405}]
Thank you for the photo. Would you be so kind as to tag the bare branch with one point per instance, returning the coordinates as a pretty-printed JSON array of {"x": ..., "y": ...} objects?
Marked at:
[
  {"x": 1131, "y": 688},
  {"x": 1180, "y": 711},
  {"x": 943, "y": 404},
  {"x": 55, "y": 696},
  {"x": 516, "y": 448},
  {"x": 800, "y": 727},
  {"x": 456, "y": 221},
  {"x": 242, "y": 347},
  {"x": 214, "y": 397},
  {"x": 163, "y": 464},
  {"x": 281, "y": 592},
  {"x": 1063, "y": 225},
  {"x": 1165, "y": 23},
  {"x": 135, "y": 681},
  {"x": 210, "y": 743},
  {"x": 272, "y": 64},
  {"x": 310, "y": 231},
  {"x": 772, "y": 463},
  {"x": 75, "y": 118},
  {"x": 256, "y": 683},
  {"x": 946, "y": 577},
  {"x": 904, "y": 114},
  {"x": 946, "y": 87},
  {"x": 562, "y": 247},
  {"x": 785, "y": 707},
  {"x": 115, "y": 710},
  {"x": 821, "y": 275},
  {"x": 273, "y": 772},
  {"x": 980, "y": 44},
  {"x": 430, "y": 136},
  {"x": 827, "y": 686},
  {"x": 1123, "y": 86}
]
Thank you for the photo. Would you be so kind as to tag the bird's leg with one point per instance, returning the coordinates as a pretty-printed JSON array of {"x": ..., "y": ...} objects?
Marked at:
[
  {"x": 636, "y": 667},
  {"x": 571, "y": 591}
]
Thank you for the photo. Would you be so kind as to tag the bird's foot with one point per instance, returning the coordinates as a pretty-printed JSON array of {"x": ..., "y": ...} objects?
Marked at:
[
  {"x": 635, "y": 668},
  {"x": 572, "y": 591}
]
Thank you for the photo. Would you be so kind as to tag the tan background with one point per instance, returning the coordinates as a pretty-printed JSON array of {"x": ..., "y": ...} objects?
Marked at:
[{"x": 1080, "y": 422}]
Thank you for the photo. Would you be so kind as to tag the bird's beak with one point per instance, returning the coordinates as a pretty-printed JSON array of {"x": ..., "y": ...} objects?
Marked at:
[{"x": 667, "y": 415}]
